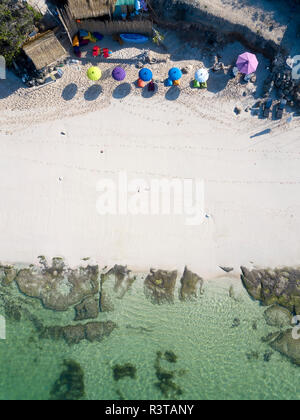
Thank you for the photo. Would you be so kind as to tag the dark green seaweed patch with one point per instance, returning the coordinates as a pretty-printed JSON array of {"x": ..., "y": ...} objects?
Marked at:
[
  {"x": 166, "y": 383},
  {"x": 123, "y": 371},
  {"x": 70, "y": 385}
]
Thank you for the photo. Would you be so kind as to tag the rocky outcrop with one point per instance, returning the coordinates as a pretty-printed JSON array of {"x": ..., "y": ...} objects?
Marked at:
[
  {"x": 57, "y": 286},
  {"x": 122, "y": 277},
  {"x": 288, "y": 346},
  {"x": 88, "y": 309},
  {"x": 278, "y": 286},
  {"x": 160, "y": 286},
  {"x": 74, "y": 334},
  {"x": 276, "y": 316},
  {"x": 7, "y": 275},
  {"x": 191, "y": 284}
]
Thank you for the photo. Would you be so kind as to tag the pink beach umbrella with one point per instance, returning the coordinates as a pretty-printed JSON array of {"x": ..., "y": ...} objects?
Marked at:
[{"x": 247, "y": 63}]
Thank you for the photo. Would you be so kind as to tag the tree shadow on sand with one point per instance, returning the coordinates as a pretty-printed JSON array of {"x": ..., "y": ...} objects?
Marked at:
[
  {"x": 93, "y": 93},
  {"x": 69, "y": 92},
  {"x": 173, "y": 93},
  {"x": 122, "y": 91}
]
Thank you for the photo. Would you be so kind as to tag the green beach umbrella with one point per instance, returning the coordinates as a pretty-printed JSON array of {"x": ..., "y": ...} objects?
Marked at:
[{"x": 94, "y": 74}]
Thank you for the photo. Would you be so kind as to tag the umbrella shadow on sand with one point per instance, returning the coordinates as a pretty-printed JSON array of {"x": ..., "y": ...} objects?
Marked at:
[
  {"x": 147, "y": 94},
  {"x": 173, "y": 93},
  {"x": 93, "y": 93},
  {"x": 122, "y": 91},
  {"x": 218, "y": 81},
  {"x": 69, "y": 92}
]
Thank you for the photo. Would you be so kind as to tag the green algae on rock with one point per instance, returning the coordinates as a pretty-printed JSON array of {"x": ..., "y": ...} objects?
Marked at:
[
  {"x": 57, "y": 286},
  {"x": 70, "y": 384},
  {"x": 160, "y": 286},
  {"x": 191, "y": 283},
  {"x": 278, "y": 286}
]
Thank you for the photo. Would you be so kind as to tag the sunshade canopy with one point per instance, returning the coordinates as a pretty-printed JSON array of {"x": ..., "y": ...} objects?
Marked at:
[
  {"x": 247, "y": 63},
  {"x": 94, "y": 73},
  {"x": 202, "y": 75},
  {"x": 119, "y": 74},
  {"x": 175, "y": 74},
  {"x": 146, "y": 75}
]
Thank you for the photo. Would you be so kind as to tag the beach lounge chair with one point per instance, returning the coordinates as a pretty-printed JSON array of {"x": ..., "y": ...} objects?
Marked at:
[
  {"x": 280, "y": 109},
  {"x": 203, "y": 85},
  {"x": 196, "y": 84},
  {"x": 267, "y": 108}
]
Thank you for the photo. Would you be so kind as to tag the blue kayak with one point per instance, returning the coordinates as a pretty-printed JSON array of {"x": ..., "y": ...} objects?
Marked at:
[{"x": 136, "y": 38}]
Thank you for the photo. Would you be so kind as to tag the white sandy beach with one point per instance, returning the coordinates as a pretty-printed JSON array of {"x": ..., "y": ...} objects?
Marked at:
[{"x": 49, "y": 180}]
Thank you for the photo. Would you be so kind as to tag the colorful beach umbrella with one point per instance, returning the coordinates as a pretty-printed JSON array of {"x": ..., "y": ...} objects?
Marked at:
[
  {"x": 94, "y": 74},
  {"x": 119, "y": 74},
  {"x": 202, "y": 75},
  {"x": 175, "y": 74},
  {"x": 146, "y": 75},
  {"x": 247, "y": 63}
]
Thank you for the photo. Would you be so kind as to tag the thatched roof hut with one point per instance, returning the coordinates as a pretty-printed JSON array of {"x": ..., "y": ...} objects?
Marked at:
[
  {"x": 84, "y": 9},
  {"x": 44, "y": 50}
]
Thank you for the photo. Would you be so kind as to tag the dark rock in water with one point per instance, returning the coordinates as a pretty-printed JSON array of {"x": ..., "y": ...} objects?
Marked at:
[
  {"x": 88, "y": 309},
  {"x": 278, "y": 286},
  {"x": 12, "y": 311},
  {"x": 277, "y": 316},
  {"x": 190, "y": 284},
  {"x": 70, "y": 385},
  {"x": 160, "y": 286},
  {"x": 287, "y": 345},
  {"x": 97, "y": 331},
  {"x": 268, "y": 355},
  {"x": 254, "y": 326},
  {"x": 236, "y": 323},
  {"x": 166, "y": 383},
  {"x": 57, "y": 286},
  {"x": 123, "y": 371},
  {"x": 227, "y": 269},
  {"x": 7, "y": 275},
  {"x": 74, "y": 334},
  {"x": 253, "y": 355},
  {"x": 170, "y": 356}
]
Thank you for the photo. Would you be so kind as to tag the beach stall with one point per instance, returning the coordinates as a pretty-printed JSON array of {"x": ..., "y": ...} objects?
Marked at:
[
  {"x": 44, "y": 50},
  {"x": 98, "y": 16}
]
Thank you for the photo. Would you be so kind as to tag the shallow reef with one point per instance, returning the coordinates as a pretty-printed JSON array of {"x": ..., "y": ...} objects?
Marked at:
[
  {"x": 160, "y": 286},
  {"x": 70, "y": 385},
  {"x": 123, "y": 371},
  {"x": 166, "y": 383}
]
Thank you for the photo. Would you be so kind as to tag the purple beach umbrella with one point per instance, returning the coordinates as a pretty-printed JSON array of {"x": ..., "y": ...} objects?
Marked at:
[
  {"x": 119, "y": 74},
  {"x": 247, "y": 63}
]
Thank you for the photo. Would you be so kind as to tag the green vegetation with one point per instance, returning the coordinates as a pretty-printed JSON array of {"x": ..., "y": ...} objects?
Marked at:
[{"x": 16, "y": 22}]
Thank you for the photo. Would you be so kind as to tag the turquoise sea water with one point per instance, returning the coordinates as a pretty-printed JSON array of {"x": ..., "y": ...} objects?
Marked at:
[{"x": 212, "y": 353}]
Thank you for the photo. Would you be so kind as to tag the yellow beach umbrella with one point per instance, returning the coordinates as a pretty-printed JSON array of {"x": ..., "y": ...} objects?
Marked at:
[{"x": 94, "y": 74}]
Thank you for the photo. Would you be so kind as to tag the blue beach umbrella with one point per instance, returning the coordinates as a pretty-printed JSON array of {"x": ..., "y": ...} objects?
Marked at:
[
  {"x": 175, "y": 74},
  {"x": 146, "y": 75}
]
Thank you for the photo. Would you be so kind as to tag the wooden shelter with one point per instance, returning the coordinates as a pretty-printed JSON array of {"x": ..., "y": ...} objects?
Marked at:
[
  {"x": 44, "y": 49},
  {"x": 85, "y": 9}
]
